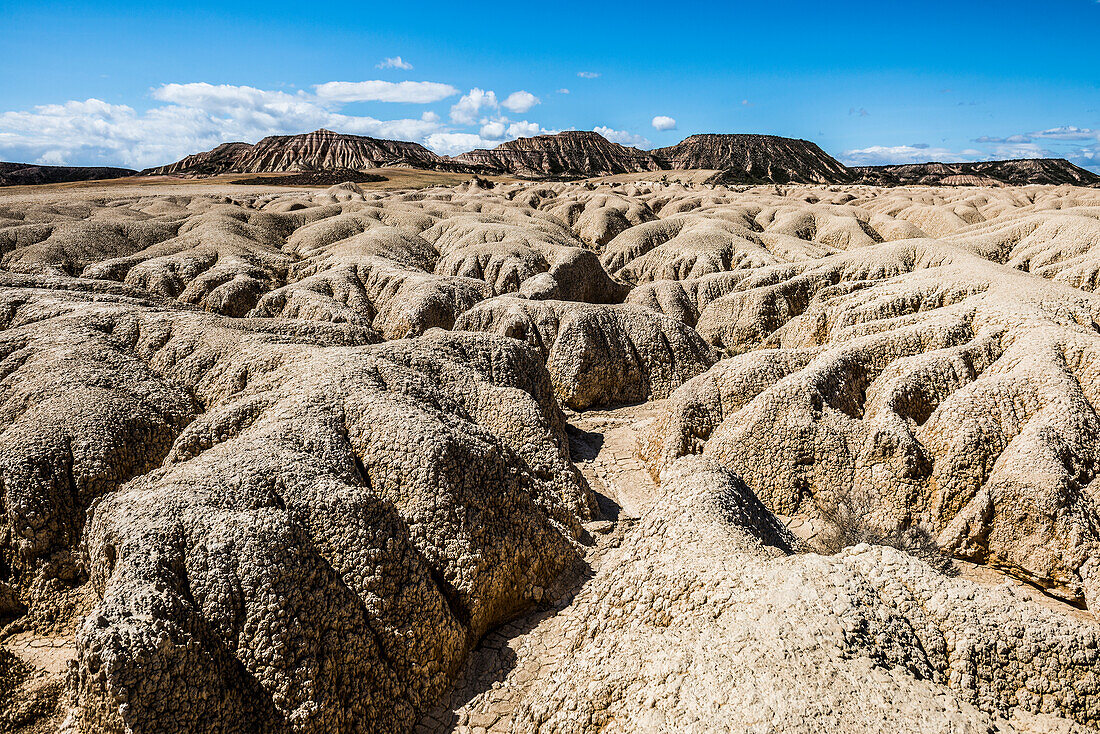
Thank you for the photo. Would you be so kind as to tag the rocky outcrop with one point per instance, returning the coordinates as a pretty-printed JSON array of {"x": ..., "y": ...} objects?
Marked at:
[
  {"x": 275, "y": 460},
  {"x": 568, "y": 154},
  {"x": 598, "y": 355},
  {"x": 396, "y": 501},
  {"x": 890, "y": 376},
  {"x": 32, "y": 174},
  {"x": 318, "y": 150},
  {"x": 755, "y": 159},
  {"x": 702, "y": 620},
  {"x": 981, "y": 173}
]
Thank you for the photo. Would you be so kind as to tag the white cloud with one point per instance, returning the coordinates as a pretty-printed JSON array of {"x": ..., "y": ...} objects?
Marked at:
[
  {"x": 623, "y": 137},
  {"x": 188, "y": 118},
  {"x": 525, "y": 129},
  {"x": 1080, "y": 145},
  {"x": 879, "y": 155},
  {"x": 380, "y": 91},
  {"x": 1020, "y": 150},
  {"x": 394, "y": 62},
  {"x": 563, "y": 90},
  {"x": 455, "y": 143},
  {"x": 1068, "y": 132},
  {"x": 520, "y": 101},
  {"x": 663, "y": 122},
  {"x": 467, "y": 110},
  {"x": 588, "y": 74},
  {"x": 493, "y": 130},
  {"x": 196, "y": 117}
]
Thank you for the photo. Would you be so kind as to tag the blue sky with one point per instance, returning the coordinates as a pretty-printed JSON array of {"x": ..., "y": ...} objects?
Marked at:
[{"x": 141, "y": 84}]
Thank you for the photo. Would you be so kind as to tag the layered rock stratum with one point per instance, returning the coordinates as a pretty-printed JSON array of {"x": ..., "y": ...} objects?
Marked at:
[
  {"x": 569, "y": 154},
  {"x": 981, "y": 173},
  {"x": 549, "y": 457},
  {"x": 755, "y": 159},
  {"x": 576, "y": 154},
  {"x": 318, "y": 150}
]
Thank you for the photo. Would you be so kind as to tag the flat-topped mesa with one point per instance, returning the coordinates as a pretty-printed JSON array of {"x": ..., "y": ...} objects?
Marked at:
[
  {"x": 32, "y": 174},
  {"x": 568, "y": 154},
  {"x": 1019, "y": 172},
  {"x": 747, "y": 158},
  {"x": 318, "y": 150}
]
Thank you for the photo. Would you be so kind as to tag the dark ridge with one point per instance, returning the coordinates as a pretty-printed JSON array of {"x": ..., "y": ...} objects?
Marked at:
[
  {"x": 979, "y": 173},
  {"x": 313, "y": 178},
  {"x": 755, "y": 159},
  {"x": 32, "y": 174}
]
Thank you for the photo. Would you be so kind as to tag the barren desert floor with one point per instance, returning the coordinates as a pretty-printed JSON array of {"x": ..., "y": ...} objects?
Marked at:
[{"x": 629, "y": 454}]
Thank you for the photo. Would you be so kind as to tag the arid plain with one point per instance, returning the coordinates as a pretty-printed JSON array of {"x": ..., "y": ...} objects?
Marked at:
[{"x": 639, "y": 453}]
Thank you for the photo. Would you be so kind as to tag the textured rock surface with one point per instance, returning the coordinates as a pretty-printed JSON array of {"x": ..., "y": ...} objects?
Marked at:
[
  {"x": 568, "y": 154},
  {"x": 983, "y": 173},
  {"x": 756, "y": 159},
  {"x": 325, "y": 537},
  {"x": 598, "y": 355},
  {"x": 280, "y": 460},
  {"x": 701, "y": 622},
  {"x": 317, "y": 150}
]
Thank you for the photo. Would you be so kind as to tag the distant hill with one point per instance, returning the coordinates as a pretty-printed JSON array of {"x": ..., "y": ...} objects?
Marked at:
[
  {"x": 755, "y": 159},
  {"x": 573, "y": 154},
  {"x": 315, "y": 151},
  {"x": 568, "y": 154},
  {"x": 979, "y": 173},
  {"x": 32, "y": 174}
]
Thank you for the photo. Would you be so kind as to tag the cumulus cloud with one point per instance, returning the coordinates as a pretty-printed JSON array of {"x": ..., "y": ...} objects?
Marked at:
[
  {"x": 493, "y": 130},
  {"x": 394, "y": 62},
  {"x": 588, "y": 74},
  {"x": 879, "y": 155},
  {"x": 623, "y": 137},
  {"x": 563, "y": 90},
  {"x": 187, "y": 118},
  {"x": 525, "y": 129},
  {"x": 455, "y": 143},
  {"x": 468, "y": 108},
  {"x": 663, "y": 122},
  {"x": 380, "y": 91},
  {"x": 520, "y": 101},
  {"x": 194, "y": 117}
]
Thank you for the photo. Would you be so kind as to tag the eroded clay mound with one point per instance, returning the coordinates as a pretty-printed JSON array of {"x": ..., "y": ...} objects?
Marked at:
[
  {"x": 239, "y": 452},
  {"x": 599, "y": 355},
  {"x": 332, "y": 526},
  {"x": 703, "y": 621},
  {"x": 958, "y": 395}
]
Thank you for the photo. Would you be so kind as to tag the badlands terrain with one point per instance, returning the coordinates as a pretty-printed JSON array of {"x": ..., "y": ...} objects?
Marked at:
[{"x": 641, "y": 455}]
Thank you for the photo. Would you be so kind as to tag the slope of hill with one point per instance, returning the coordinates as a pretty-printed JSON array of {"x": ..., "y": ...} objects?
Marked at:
[
  {"x": 572, "y": 154},
  {"x": 31, "y": 174},
  {"x": 755, "y": 159},
  {"x": 980, "y": 173},
  {"x": 568, "y": 154},
  {"x": 318, "y": 150}
]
